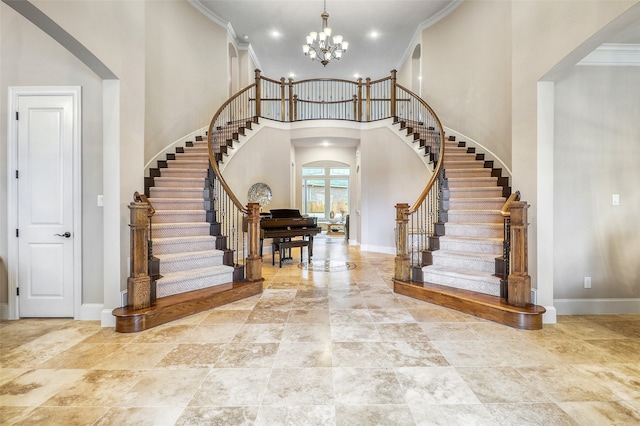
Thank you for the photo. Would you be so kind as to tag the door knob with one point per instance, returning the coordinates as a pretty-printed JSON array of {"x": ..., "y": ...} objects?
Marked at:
[{"x": 66, "y": 235}]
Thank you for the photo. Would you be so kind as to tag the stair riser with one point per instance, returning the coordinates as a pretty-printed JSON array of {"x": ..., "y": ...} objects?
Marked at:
[
  {"x": 458, "y": 216},
  {"x": 485, "y": 287},
  {"x": 471, "y": 247},
  {"x": 473, "y": 204},
  {"x": 176, "y": 193},
  {"x": 474, "y": 231},
  {"x": 467, "y": 173},
  {"x": 171, "y": 182},
  {"x": 169, "y": 216},
  {"x": 184, "y": 173},
  {"x": 181, "y": 164},
  {"x": 161, "y": 247},
  {"x": 440, "y": 258},
  {"x": 197, "y": 230},
  {"x": 463, "y": 164},
  {"x": 469, "y": 182},
  {"x": 193, "y": 156},
  {"x": 164, "y": 289},
  {"x": 177, "y": 205},
  {"x": 475, "y": 193},
  {"x": 189, "y": 263}
]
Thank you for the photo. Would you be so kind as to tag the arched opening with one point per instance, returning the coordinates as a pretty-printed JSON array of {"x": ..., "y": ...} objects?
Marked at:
[
  {"x": 233, "y": 72},
  {"x": 416, "y": 77},
  {"x": 325, "y": 194}
]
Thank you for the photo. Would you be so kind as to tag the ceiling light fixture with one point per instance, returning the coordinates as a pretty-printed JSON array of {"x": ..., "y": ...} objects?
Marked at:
[{"x": 321, "y": 46}]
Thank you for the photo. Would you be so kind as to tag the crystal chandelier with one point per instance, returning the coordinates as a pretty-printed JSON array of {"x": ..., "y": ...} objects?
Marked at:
[{"x": 321, "y": 46}]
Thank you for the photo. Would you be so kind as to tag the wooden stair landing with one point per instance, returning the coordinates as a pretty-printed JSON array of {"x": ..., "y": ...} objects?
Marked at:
[
  {"x": 171, "y": 308},
  {"x": 481, "y": 305}
]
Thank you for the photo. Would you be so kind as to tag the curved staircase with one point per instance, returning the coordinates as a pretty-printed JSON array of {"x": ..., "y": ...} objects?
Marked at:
[
  {"x": 471, "y": 230},
  {"x": 190, "y": 258}
]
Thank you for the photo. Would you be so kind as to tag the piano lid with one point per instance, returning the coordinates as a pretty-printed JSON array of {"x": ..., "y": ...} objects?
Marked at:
[{"x": 285, "y": 213}]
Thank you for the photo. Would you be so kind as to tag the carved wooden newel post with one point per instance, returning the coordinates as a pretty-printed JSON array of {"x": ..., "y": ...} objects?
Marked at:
[
  {"x": 139, "y": 282},
  {"x": 254, "y": 262},
  {"x": 519, "y": 284},
  {"x": 402, "y": 267}
]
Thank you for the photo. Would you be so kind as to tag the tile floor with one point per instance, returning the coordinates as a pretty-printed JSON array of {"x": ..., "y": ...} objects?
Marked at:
[{"x": 323, "y": 348}]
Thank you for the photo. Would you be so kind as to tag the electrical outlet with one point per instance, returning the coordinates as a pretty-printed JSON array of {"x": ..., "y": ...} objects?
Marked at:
[
  {"x": 100, "y": 200},
  {"x": 587, "y": 282}
]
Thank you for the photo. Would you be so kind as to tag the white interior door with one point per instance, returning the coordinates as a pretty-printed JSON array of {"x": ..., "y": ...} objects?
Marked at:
[{"x": 45, "y": 204}]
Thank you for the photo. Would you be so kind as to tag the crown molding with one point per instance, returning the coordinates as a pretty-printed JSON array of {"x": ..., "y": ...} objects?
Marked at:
[{"x": 614, "y": 54}]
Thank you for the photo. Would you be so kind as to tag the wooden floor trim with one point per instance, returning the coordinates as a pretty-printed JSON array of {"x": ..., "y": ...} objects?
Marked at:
[
  {"x": 481, "y": 305},
  {"x": 171, "y": 308}
]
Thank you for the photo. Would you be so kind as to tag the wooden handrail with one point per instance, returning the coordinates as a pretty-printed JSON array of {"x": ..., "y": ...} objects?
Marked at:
[
  {"x": 504, "y": 211},
  {"x": 212, "y": 160},
  {"x": 438, "y": 169},
  {"x": 143, "y": 198}
]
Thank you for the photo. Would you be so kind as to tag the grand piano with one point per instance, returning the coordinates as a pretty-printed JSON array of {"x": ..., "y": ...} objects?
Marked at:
[{"x": 284, "y": 224}]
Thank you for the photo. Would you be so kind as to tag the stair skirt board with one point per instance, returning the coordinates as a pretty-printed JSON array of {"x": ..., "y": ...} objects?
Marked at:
[
  {"x": 175, "y": 307},
  {"x": 484, "y": 306}
]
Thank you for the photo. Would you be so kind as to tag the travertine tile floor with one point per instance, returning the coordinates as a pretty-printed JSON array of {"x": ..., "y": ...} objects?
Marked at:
[{"x": 323, "y": 348}]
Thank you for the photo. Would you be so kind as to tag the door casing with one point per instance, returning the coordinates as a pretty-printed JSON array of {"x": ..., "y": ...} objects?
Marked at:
[{"x": 14, "y": 94}]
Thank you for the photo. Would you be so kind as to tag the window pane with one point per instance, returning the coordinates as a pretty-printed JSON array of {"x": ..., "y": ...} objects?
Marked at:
[
  {"x": 339, "y": 198},
  {"x": 340, "y": 172},
  {"x": 313, "y": 171},
  {"x": 313, "y": 197}
]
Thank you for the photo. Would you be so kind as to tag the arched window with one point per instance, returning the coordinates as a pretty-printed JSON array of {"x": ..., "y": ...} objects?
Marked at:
[{"x": 325, "y": 190}]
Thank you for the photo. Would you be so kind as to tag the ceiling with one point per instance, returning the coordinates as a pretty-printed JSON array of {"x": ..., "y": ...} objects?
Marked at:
[{"x": 395, "y": 21}]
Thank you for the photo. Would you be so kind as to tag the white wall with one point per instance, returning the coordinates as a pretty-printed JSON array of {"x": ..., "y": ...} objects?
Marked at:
[
  {"x": 265, "y": 158},
  {"x": 596, "y": 154},
  {"x": 184, "y": 86},
  {"x": 31, "y": 58}
]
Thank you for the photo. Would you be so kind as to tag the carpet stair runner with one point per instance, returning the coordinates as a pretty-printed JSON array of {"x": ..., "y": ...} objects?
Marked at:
[
  {"x": 190, "y": 258},
  {"x": 473, "y": 195}
]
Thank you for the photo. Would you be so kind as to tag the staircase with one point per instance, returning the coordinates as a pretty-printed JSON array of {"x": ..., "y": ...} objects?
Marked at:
[
  {"x": 190, "y": 257},
  {"x": 471, "y": 234}
]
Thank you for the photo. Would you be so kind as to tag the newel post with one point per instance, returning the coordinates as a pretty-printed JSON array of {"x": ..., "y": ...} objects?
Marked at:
[
  {"x": 519, "y": 283},
  {"x": 402, "y": 267},
  {"x": 139, "y": 282},
  {"x": 359, "y": 114},
  {"x": 258, "y": 99},
  {"x": 254, "y": 262}
]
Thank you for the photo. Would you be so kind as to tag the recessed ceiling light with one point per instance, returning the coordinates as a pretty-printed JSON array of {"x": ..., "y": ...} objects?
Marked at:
[
  {"x": 291, "y": 75},
  {"x": 356, "y": 76},
  {"x": 245, "y": 37},
  {"x": 374, "y": 34},
  {"x": 275, "y": 34},
  {"x": 326, "y": 143}
]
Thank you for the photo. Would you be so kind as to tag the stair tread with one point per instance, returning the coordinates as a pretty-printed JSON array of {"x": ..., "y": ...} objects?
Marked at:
[
  {"x": 460, "y": 273},
  {"x": 180, "y": 239},
  {"x": 453, "y": 253},
  {"x": 192, "y": 273},
  {"x": 474, "y": 239},
  {"x": 189, "y": 254}
]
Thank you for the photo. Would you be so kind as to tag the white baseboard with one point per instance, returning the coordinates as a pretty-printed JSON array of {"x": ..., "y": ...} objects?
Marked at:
[
  {"x": 597, "y": 306},
  {"x": 90, "y": 312},
  {"x": 377, "y": 249},
  {"x": 107, "y": 319},
  {"x": 4, "y": 311},
  {"x": 550, "y": 317}
]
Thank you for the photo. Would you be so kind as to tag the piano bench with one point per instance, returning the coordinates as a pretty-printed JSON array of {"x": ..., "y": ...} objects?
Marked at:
[{"x": 281, "y": 246}]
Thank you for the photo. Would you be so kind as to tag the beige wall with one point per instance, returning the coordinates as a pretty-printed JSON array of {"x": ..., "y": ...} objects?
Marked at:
[
  {"x": 148, "y": 101},
  {"x": 183, "y": 87},
  {"x": 485, "y": 81},
  {"x": 469, "y": 85},
  {"x": 596, "y": 154}
]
